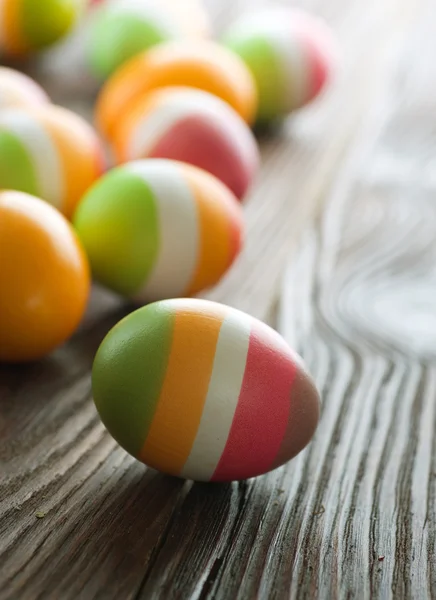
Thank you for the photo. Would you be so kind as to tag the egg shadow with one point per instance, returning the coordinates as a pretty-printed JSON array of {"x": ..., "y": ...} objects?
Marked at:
[
  {"x": 265, "y": 132},
  {"x": 129, "y": 529}
]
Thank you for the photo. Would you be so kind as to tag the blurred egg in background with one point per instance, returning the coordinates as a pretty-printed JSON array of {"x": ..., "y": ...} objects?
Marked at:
[
  {"x": 192, "y": 126},
  {"x": 291, "y": 54},
  {"x": 121, "y": 29}
]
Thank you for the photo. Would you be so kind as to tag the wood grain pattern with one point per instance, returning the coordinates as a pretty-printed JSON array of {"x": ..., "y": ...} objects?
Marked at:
[{"x": 345, "y": 202}]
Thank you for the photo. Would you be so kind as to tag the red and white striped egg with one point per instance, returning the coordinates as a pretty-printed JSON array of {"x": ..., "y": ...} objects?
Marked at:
[{"x": 191, "y": 126}]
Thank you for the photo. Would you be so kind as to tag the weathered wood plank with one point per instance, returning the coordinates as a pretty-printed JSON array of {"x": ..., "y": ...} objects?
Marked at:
[{"x": 348, "y": 187}]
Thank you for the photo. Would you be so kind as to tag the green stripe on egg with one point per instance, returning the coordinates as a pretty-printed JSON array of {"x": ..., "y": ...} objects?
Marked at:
[
  {"x": 17, "y": 171},
  {"x": 118, "y": 36},
  {"x": 265, "y": 66},
  {"x": 121, "y": 238},
  {"x": 137, "y": 349}
]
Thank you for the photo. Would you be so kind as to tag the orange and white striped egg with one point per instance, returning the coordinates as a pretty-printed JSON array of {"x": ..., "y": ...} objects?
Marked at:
[
  {"x": 191, "y": 126},
  {"x": 203, "y": 391},
  {"x": 19, "y": 90},
  {"x": 158, "y": 228},
  {"x": 49, "y": 152}
]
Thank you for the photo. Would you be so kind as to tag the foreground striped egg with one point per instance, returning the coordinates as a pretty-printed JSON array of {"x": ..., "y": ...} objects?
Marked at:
[
  {"x": 191, "y": 126},
  {"x": 203, "y": 391},
  {"x": 158, "y": 229},
  {"x": 44, "y": 278},
  {"x": 122, "y": 29},
  {"x": 291, "y": 55},
  {"x": 19, "y": 90},
  {"x": 49, "y": 152},
  {"x": 29, "y": 25},
  {"x": 204, "y": 65}
]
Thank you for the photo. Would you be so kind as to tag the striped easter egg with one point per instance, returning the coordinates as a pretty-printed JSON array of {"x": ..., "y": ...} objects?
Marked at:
[
  {"x": 203, "y": 391},
  {"x": 120, "y": 29},
  {"x": 290, "y": 54},
  {"x": 194, "y": 127},
  {"x": 29, "y": 25},
  {"x": 204, "y": 65},
  {"x": 49, "y": 152},
  {"x": 19, "y": 90},
  {"x": 157, "y": 229}
]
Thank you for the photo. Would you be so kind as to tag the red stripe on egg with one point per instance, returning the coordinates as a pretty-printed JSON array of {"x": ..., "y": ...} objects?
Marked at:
[
  {"x": 320, "y": 52},
  {"x": 206, "y": 144}
]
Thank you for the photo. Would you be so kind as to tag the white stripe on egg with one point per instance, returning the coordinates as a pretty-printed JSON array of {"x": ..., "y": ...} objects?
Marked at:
[
  {"x": 42, "y": 152},
  {"x": 177, "y": 107},
  {"x": 178, "y": 226},
  {"x": 222, "y": 397},
  {"x": 292, "y": 56}
]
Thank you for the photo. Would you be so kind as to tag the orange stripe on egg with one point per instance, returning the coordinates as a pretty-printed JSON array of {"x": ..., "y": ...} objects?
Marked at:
[
  {"x": 129, "y": 124},
  {"x": 217, "y": 211},
  {"x": 184, "y": 391},
  {"x": 14, "y": 41},
  {"x": 69, "y": 132},
  {"x": 120, "y": 91},
  {"x": 200, "y": 65}
]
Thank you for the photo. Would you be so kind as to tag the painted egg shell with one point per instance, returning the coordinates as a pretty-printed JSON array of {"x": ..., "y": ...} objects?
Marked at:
[
  {"x": 204, "y": 65},
  {"x": 49, "y": 152},
  {"x": 157, "y": 229},
  {"x": 202, "y": 391},
  {"x": 291, "y": 55},
  {"x": 19, "y": 90},
  {"x": 122, "y": 29},
  {"x": 29, "y": 25},
  {"x": 191, "y": 126},
  {"x": 44, "y": 278}
]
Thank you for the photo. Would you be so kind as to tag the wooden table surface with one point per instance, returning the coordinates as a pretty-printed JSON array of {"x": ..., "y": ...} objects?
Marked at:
[{"x": 341, "y": 258}]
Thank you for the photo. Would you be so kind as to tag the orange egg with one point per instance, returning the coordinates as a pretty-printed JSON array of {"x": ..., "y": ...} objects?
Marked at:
[
  {"x": 44, "y": 278},
  {"x": 203, "y": 64}
]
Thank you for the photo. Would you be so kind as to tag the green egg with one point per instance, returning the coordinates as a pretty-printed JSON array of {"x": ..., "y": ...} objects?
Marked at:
[
  {"x": 44, "y": 22},
  {"x": 116, "y": 36},
  {"x": 157, "y": 228}
]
